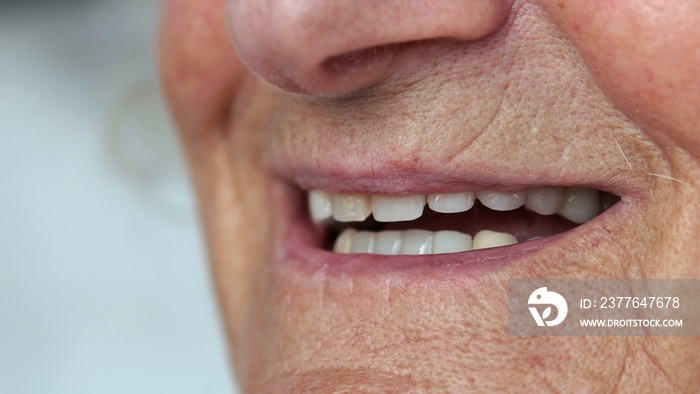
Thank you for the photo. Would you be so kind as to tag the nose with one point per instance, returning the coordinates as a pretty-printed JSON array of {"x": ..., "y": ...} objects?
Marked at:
[{"x": 330, "y": 47}]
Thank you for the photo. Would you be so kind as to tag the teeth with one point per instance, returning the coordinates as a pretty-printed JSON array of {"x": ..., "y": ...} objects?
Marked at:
[
  {"x": 580, "y": 204},
  {"x": 544, "y": 200},
  {"x": 344, "y": 242},
  {"x": 362, "y": 242},
  {"x": 451, "y": 242},
  {"x": 396, "y": 209},
  {"x": 350, "y": 207},
  {"x": 576, "y": 204},
  {"x": 320, "y": 205},
  {"x": 501, "y": 201},
  {"x": 388, "y": 243},
  {"x": 451, "y": 203},
  {"x": 492, "y": 239},
  {"x": 417, "y": 242}
]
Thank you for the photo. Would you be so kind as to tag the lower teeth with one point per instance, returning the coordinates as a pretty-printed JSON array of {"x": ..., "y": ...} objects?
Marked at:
[{"x": 418, "y": 242}]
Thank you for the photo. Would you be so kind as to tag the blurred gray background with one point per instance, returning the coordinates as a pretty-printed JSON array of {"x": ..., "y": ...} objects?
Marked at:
[{"x": 104, "y": 286}]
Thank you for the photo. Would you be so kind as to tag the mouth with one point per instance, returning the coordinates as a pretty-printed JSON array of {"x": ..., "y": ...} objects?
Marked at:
[
  {"x": 425, "y": 224},
  {"x": 365, "y": 226}
]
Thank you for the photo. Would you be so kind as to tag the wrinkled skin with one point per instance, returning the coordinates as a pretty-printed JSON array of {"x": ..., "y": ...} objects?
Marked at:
[{"x": 598, "y": 93}]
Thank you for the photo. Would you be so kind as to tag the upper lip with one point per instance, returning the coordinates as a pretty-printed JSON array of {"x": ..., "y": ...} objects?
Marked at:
[
  {"x": 484, "y": 133},
  {"x": 397, "y": 182},
  {"x": 393, "y": 177},
  {"x": 341, "y": 158}
]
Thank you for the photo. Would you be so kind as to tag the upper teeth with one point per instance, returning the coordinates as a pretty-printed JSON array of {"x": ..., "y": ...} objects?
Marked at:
[
  {"x": 395, "y": 209},
  {"x": 501, "y": 201},
  {"x": 451, "y": 203},
  {"x": 545, "y": 200},
  {"x": 580, "y": 204},
  {"x": 574, "y": 203}
]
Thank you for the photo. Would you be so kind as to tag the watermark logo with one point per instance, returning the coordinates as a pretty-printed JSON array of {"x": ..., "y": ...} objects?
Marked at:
[
  {"x": 604, "y": 307},
  {"x": 543, "y": 297}
]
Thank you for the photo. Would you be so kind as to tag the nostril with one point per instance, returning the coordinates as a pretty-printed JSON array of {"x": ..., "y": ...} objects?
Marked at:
[
  {"x": 356, "y": 69},
  {"x": 360, "y": 58}
]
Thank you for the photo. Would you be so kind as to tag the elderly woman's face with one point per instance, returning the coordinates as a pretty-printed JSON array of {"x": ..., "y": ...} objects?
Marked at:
[{"x": 386, "y": 106}]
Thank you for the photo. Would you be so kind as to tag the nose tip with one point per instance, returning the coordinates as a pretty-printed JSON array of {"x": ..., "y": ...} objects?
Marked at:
[{"x": 330, "y": 47}]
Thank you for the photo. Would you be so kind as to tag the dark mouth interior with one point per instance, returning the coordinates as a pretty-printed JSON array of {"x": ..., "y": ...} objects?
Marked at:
[{"x": 521, "y": 223}]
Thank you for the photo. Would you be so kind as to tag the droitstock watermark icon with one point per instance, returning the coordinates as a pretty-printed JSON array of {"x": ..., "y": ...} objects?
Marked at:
[
  {"x": 604, "y": 307},
  {"x": 543, "y": 297}
]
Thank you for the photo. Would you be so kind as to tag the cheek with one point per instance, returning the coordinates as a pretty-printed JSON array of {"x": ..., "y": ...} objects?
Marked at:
[{"x": 645, "y": 54}]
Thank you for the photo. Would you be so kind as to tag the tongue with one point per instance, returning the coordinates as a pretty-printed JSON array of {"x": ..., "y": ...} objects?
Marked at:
[{"x": 520, "y": 223}]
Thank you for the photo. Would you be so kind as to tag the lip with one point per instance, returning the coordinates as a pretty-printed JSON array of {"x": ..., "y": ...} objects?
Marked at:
[
  {"x": 410, "y": 180},
  {"x": 302, "y": 245}
]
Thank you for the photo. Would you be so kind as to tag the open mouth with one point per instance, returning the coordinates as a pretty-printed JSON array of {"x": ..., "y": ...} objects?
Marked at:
[{"x": 452, "y": 223}]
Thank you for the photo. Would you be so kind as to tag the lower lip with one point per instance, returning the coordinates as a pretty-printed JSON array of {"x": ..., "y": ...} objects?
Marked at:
[{"x": 302, "y": 247}]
